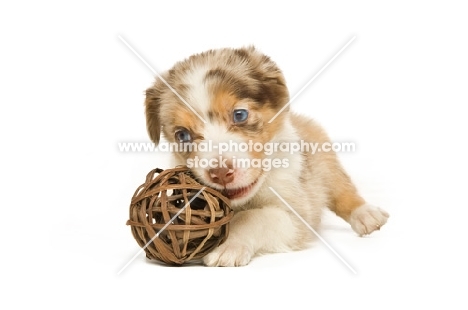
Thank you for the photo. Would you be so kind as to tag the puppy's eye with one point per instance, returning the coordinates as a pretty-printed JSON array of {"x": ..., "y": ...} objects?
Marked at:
[
  {"x": 240, "y": 115},
  {"x": 183, "y": 135}
]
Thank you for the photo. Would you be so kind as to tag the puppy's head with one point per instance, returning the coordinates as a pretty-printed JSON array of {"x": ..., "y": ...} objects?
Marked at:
[{"x": 217, "y": 105}]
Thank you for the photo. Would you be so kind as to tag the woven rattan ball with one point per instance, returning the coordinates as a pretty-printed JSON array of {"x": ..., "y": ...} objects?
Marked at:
[{"x": 171, "y": 224}]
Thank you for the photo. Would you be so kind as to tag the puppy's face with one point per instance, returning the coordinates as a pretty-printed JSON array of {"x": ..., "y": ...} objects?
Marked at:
[{"x": 230, "y": 95}]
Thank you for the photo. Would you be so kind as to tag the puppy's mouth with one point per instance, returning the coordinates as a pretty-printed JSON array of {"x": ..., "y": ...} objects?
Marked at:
[{"x": 239, "y": 192}]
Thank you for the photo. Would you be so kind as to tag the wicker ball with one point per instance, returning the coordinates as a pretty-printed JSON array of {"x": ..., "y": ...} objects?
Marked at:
[{"x": 198, "y": 229}]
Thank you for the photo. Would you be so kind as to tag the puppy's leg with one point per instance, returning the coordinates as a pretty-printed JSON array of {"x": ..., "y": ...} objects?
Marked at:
[
  {"x": 349, "y": 205},
  {"x": 267, "y": 229},
  {"x": 343, "y": 197}
]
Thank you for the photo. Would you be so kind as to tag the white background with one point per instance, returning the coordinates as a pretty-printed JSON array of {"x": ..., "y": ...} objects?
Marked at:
[{"x": 71, "y": 90}]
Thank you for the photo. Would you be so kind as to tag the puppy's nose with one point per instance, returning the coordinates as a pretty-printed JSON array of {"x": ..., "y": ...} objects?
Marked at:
[{"x": 221, "y": 175}]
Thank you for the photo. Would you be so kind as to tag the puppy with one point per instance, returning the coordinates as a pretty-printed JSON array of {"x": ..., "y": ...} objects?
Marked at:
[{"x": 232, "y": 97}]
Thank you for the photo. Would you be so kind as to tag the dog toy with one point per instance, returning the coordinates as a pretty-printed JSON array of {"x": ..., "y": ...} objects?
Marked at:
[{"x": 175, "y": 219}]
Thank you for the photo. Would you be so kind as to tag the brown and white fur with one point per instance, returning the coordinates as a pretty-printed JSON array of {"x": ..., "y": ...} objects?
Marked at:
[{"x": 215, "y": 84}]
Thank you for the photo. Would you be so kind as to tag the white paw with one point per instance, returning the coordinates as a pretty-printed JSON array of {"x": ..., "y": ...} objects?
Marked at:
[
  {"x": 229, "y": 255},
  {"x": 365, "y": 219}
]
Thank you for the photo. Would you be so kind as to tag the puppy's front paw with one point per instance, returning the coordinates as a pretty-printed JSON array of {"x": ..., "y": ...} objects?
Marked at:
[
  {"x": 365, "y": 219},
  {"x": 229, "y": 255}
]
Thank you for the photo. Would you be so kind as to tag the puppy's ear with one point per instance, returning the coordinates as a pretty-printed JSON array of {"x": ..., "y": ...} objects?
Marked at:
[
  {"x": 152, "y": 107},
  {"x": 272, "y": 88}
]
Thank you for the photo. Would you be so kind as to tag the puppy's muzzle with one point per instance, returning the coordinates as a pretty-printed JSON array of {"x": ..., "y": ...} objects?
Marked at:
[{"x": 222, "y": 176}]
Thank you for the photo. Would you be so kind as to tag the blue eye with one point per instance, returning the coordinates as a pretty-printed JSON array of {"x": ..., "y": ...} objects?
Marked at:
[
  {"x": 183, "y": 135},
  {"x": 240, "y": 115}
]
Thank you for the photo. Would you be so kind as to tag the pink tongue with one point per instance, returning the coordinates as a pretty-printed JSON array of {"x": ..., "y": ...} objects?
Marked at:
[{"x": 233, "y": 192}]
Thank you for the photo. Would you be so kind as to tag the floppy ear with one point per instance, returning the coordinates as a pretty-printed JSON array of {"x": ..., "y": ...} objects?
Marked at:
[
  {"x": 152, "y": 105},
  {"x": 272, "y": 84}
]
